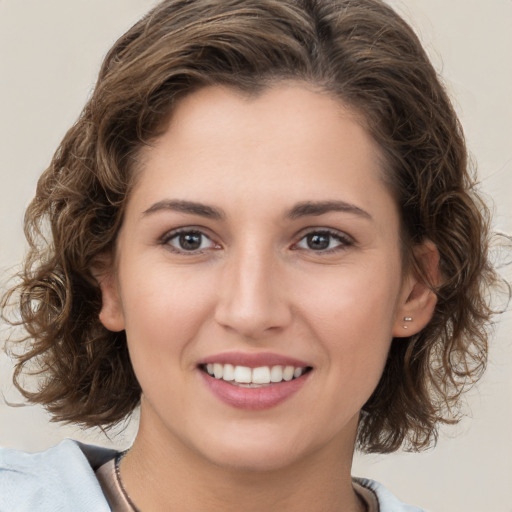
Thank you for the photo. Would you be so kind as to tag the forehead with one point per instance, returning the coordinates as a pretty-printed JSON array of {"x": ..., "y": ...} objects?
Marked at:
[{"x": 287, "y": 141}]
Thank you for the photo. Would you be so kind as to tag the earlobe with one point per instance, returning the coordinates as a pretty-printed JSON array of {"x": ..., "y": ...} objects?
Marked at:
[
  {"x": 111, "y": 313},
  {"x": 418, "y": 300}
]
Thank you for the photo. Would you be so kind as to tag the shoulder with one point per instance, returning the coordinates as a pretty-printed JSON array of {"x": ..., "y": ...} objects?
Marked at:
[
  {"x": 388, "y": 502},
  {"x": 59, "y": 479}
]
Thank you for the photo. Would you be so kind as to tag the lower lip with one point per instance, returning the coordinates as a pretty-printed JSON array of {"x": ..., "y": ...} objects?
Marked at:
[{"x": 259, "y": 398}]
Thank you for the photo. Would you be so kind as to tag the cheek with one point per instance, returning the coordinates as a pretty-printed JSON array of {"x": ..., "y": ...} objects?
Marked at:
[
  {"x": 163, "y": 313},
  {"x": 353, "y": 316}
]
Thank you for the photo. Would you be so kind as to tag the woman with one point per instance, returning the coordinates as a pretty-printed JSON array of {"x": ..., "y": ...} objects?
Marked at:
[{"x": 263, "y": 231}]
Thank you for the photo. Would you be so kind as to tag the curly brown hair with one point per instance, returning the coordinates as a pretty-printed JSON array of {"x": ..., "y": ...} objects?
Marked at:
[{"x": 362, "y": 53}]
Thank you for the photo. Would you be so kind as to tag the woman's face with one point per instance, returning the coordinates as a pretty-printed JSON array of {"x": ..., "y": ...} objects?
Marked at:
[{"x": 260, "y": 244}]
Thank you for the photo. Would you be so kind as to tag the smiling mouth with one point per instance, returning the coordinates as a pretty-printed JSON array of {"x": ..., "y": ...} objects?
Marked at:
[{"x": 247, "y": 377}]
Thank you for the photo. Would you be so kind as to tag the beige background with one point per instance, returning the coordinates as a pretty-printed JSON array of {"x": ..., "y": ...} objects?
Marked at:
[{"x": 50, "y": 53}]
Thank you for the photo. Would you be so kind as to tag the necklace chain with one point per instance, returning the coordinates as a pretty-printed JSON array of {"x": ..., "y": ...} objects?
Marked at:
[{"x": 126, "y": 496}]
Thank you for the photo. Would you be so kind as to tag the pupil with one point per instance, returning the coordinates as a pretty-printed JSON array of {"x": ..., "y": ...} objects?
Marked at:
[
  {"x": 318, "y": 242},
  {"x": 190, "y": 241}
]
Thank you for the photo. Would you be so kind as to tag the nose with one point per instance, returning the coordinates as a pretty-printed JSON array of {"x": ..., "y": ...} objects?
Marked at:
[{"x": 252, "y": 295}]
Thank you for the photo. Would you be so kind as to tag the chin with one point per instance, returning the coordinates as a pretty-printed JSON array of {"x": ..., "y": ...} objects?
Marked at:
[
  {"x": 242, "y": 459},
  {"x": 257, "y": 453}
]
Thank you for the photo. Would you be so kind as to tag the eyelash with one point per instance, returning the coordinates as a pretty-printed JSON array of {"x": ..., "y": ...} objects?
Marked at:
[
  {"x": 175, "y": 234},
  {"x": 344, "y": 241}
]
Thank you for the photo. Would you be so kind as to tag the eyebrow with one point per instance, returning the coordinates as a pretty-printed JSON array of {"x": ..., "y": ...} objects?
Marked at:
[
  {"x": 303, "y": 209},
  {"x": 315, "y": 208},
  {"x": 190, "y": 207}
]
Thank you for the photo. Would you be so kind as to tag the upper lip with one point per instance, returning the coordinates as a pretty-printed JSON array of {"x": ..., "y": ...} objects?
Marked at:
[{"x": 253, "y": 360}]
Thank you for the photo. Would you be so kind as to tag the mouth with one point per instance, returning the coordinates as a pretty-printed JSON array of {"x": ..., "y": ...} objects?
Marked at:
[
  {"x": 254, "y": 382},
  {"x": 258, "y": 377}
]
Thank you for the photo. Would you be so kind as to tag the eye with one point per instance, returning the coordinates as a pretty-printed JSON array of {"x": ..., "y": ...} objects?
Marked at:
[
  {"x": 323, "y": 241},
  {"x": 191, "y": 241}
]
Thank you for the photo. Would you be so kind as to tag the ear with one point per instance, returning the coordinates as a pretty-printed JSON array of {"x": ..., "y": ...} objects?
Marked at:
[
  {"x": 111, "y": 313},
  {"x": 418, "y": 299}
]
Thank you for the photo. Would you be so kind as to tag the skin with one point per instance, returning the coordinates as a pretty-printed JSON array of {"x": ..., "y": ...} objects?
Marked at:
[{"x": 257, "y": 285}]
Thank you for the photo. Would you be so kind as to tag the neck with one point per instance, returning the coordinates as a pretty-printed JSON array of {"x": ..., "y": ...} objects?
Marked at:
[{"x": 170, "y": 476}]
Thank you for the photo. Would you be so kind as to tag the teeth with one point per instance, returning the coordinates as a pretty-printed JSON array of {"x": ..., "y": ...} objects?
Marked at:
[
  {"x": 218, "y": 370},
  {"x": 276, "y": 374},
  {"x": 288, "y": 373},
  {"x": 229, "y": 372},
  {"x": 260, "y": 375},
  {"x": 243, "y": 374}
]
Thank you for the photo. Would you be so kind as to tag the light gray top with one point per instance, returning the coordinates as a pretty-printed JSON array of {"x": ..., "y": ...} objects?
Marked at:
[{"x": 64, "y": 478}]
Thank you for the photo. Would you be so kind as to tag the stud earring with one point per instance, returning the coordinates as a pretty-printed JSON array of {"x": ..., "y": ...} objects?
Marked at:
[{"x": 407, "y": 319}]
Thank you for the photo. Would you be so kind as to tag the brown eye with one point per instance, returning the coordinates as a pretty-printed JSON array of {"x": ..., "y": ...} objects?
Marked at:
[
  {"x": 323, "y": 241},
  {"x": 318, "y": 242},
  {"x": 188, "y": 241}
]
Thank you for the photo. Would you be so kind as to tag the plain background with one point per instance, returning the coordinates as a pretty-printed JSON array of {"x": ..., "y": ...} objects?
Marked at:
[{"x": 50, "y": 53}]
